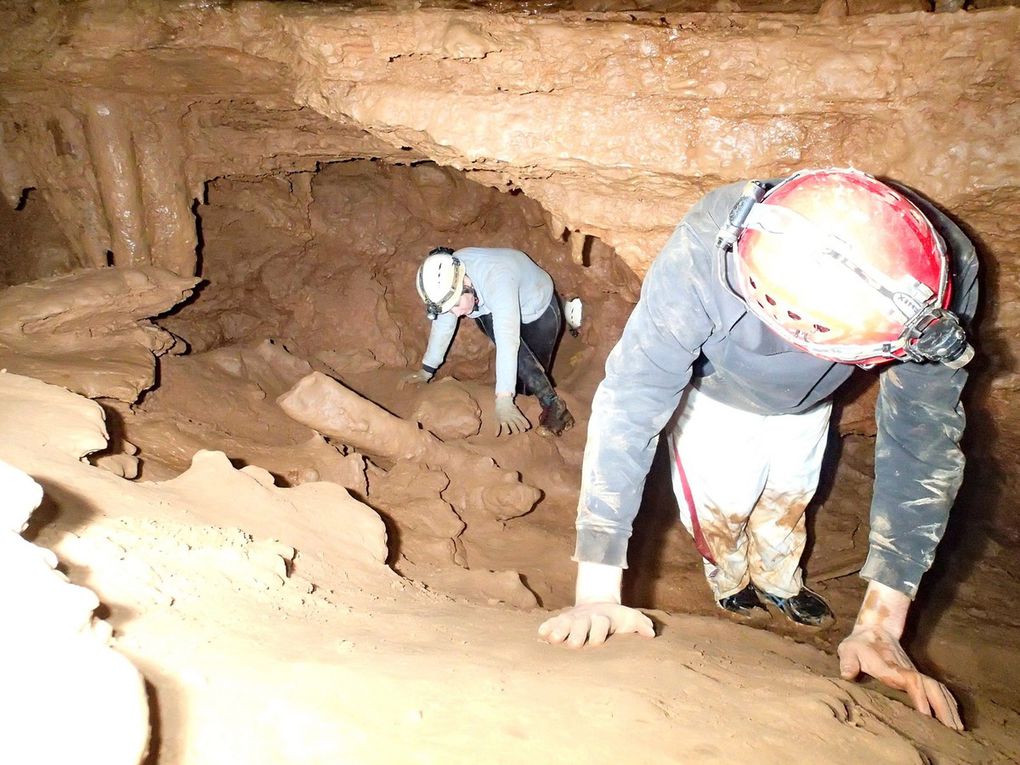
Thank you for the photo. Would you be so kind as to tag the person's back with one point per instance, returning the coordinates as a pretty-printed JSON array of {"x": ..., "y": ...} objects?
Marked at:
[{"x": 499, "y": 275}]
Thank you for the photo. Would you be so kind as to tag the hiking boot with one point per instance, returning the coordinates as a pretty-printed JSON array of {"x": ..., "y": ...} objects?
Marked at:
[
  {"x": 743, "y": 603},
  {"x": 806, "y": 607},
  {"x": 555, "y": 418}
]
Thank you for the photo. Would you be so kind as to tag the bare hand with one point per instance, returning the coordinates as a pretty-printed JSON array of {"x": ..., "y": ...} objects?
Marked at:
[
  {"x": 874, "y": 651},
  {"x": 511, "y": 419},
  {"x": 592, "y": 623},
  {"x": 420, "y": 377}
]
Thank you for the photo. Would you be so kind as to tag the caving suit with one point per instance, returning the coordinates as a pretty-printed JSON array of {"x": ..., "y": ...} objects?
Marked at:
[
  {"x": 517, "y": 308},
  {"x": 753, "y": 415}
]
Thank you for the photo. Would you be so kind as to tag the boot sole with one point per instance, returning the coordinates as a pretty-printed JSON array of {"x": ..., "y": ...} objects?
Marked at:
[{"x": 746, "y": 613}]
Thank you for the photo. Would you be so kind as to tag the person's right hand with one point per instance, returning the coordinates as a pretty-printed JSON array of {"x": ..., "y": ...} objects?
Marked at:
[
  {"x": 415, "y": 378},
  {"x": 592, "y": 623},
  {"x": 510, "y": 418}
]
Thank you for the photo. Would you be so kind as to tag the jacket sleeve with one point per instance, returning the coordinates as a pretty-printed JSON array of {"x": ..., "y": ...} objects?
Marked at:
[
  {"x": 646, "y": 374},
  {"x": 503, "y": 296},
  {"x": 918, "y": 460},
  {"x": 440, "y": 336}
]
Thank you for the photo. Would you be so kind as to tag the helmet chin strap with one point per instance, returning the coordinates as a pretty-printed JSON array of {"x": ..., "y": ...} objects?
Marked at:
[{"x": 726, "y": 239}]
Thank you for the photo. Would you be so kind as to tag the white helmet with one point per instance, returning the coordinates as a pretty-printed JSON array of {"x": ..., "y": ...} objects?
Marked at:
[{"x": 440, "y": 281}]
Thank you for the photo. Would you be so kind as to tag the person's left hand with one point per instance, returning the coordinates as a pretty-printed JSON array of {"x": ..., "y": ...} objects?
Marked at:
[
  {"x": 874, "y": 651},
  {"x": 418, "y": 377}
]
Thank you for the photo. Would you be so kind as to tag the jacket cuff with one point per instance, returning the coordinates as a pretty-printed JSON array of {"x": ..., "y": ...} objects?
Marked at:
[
  {"x": 892, "y": 570},
  {"x": 430, "y": 369},
  {"x": 599, "y": 546}
]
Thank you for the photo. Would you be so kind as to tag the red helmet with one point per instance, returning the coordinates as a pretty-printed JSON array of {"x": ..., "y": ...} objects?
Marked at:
[{"x": 846, "y": 268}]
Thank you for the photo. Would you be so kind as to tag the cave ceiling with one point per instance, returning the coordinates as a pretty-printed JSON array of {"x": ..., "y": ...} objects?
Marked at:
[{"x": 615, "y": 122}]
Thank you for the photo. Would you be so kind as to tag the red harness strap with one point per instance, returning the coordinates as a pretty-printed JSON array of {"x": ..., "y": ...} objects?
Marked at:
[{"x": 699, "y": 538}]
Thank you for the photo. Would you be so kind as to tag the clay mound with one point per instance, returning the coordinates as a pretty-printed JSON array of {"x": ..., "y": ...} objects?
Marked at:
[
  {"x": 69, "y": 697},
  {"x": 255, "y": 657}
]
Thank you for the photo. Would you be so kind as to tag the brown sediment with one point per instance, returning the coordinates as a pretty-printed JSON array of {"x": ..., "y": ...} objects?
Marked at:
[
  {"x": 478, "y": 485},
  {"x": 301, "y": 158}
]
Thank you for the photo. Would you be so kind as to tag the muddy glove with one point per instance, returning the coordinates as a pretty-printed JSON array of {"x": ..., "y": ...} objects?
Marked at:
[
  {"x": 511, "y": 420},
  {"x": 873, "y": 648},
  {"x": 415, "y": 378}
]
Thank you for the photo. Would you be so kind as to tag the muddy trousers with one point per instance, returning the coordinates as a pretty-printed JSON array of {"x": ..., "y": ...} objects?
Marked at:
[
  {"x": 534, "y": 356},
  {"x": 742, "y": 483}
]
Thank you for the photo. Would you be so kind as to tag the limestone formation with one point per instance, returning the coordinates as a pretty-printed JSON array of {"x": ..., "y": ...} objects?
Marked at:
[
  {"x": 89, "y": 331},
  {"x": 66, "y": 696},
  {"x": 477, "y": 483}
]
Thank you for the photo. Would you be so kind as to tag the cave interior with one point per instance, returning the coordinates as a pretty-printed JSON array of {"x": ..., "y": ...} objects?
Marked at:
[{"x": 207, "y": 205}]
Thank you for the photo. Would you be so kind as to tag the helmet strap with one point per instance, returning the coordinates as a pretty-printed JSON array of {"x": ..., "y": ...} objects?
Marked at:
[{"x": 752, "y": 194}]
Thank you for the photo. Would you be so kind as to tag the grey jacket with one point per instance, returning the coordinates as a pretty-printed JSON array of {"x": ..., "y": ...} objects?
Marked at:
[
  {"x": 513, "y": 289},
  {"x": 687, "y": 328}
]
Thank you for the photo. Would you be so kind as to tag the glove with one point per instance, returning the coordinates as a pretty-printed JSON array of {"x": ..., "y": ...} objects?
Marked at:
[
  {"x": 873, "y": 651},
  {"x": 510, "y": 417},
  {"x": 873, "y": 648},
  {"x": 415, "y": 378},
  {"x": 592, "y": 623}
]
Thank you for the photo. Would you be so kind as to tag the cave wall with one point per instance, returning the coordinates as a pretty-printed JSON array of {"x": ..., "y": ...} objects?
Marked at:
[
  {"x": 325, "y": 261},
  {"x": 614, "y": 122},
  {"x": 119, "y": 114},
  {"x": 122, "y": 172},
  {"x": 32, "y": 245}
]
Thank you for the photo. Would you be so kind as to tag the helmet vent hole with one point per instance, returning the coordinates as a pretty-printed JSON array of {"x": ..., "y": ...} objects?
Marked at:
[
  {"x": 820, "y": 328},
  {"x": 753, "y": 284},
  {"x": 770, "y": 300},
  {"x": 793, "y": 316}
]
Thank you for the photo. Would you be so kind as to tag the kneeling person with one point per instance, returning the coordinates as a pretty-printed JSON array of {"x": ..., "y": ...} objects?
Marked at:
[{"x": 515, "y": 304}]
